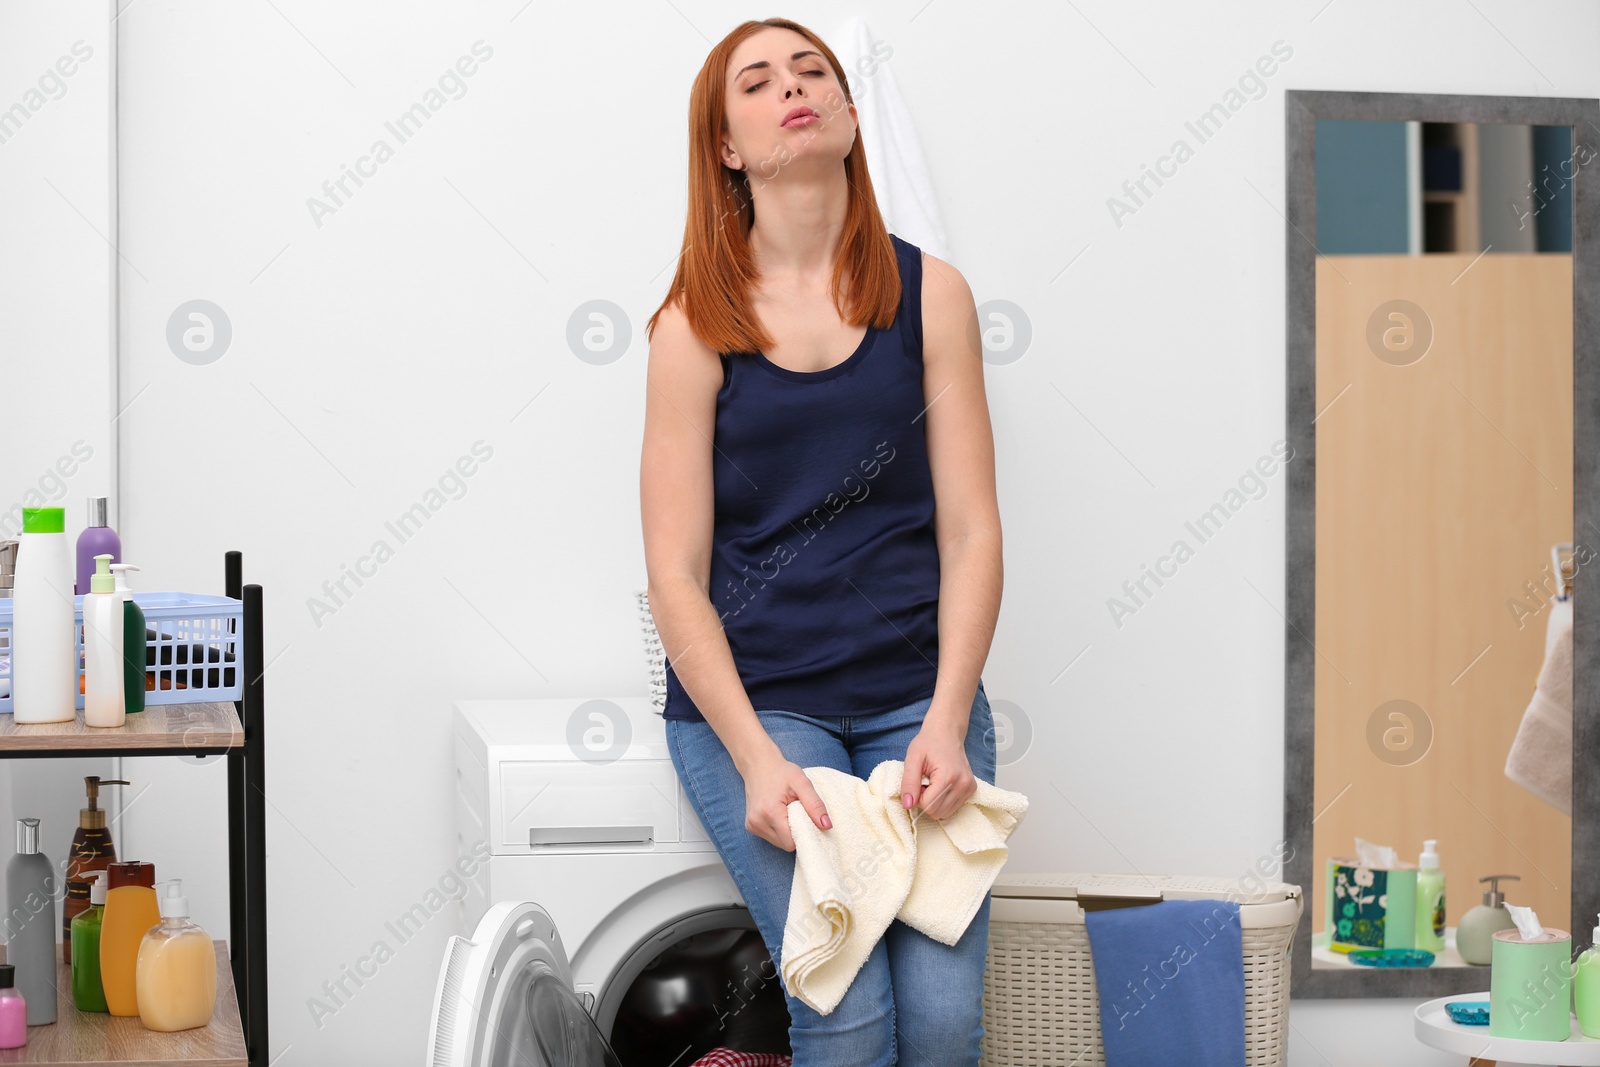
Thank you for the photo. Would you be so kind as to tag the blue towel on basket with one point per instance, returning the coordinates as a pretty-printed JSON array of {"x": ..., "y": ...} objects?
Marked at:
[{"x": 1170, "y": 979}]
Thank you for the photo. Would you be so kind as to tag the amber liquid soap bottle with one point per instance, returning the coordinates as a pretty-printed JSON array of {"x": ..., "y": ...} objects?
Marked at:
[
  {"x": 177, "y": 975},
  {"x": 131, "y": 910}
]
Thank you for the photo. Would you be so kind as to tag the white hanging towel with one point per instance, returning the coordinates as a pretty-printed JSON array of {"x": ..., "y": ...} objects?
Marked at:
[
  {"x": 894, "y": 155},
  {"x": 1540, "y": 759}
]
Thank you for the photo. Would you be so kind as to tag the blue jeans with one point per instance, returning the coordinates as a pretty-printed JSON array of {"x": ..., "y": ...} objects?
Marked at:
[{"x": 915, "y": 1002}]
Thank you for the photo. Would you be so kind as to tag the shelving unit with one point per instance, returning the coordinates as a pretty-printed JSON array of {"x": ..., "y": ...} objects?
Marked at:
[
  {"x": 237, "y": 1033},
  {"x": 96, "y": 1039}
]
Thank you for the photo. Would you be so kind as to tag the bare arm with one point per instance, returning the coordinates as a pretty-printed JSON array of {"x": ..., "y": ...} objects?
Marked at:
[
  {"x": 678, "y": 506},
  {"x": 966, "y": 513},
  {"x": 676, "y": 503}
]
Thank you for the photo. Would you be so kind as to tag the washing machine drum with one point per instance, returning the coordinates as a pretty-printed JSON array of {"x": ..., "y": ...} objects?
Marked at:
[
  {"x": 505, "y": 999},
  {"x": 716, "y": 988}
]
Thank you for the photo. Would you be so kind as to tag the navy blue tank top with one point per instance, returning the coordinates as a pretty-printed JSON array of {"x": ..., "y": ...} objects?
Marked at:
[{"x": 824, "y": 566}]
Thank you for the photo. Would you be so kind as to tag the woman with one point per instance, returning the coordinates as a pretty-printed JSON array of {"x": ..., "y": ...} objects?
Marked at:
[{"x": 816, "y": 606}]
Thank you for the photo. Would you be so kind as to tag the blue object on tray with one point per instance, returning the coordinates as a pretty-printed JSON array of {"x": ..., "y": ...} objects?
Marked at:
[
  {"x": 1469, "y": 1012},
  {"x": 1171, "y": 968},
  {"x": 1391, "y": 957}
]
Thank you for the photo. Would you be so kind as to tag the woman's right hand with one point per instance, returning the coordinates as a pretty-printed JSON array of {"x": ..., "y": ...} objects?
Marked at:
[{"x": 769, "y": 786}]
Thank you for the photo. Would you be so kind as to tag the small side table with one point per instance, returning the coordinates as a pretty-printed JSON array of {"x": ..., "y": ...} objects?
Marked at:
[{"x": 1435, "y": 1027}]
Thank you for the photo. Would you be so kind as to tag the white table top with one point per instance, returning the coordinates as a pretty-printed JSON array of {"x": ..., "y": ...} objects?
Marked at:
[{"x": 1435, "y": 1027}]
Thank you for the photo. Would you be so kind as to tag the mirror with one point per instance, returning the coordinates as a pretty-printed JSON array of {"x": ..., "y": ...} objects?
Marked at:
[{"x": 1441, "y": 503}]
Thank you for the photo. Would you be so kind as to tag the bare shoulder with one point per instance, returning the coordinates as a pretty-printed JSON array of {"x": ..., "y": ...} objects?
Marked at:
[
  {"x": 942, "y": 283},
  {"x": 677, "y": 354},
  {"x": 949, "y": 313},
  {"x": 674, "y": 335}
]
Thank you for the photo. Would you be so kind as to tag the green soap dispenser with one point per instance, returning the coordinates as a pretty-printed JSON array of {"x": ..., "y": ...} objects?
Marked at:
[
  {"x": 1430, "y": 899},
  {"x": 1586, "y": 988},
  {"x": 1475, "y": 934},
  {"x": 134, "y": 654},
  {"x": 88, "y": 994}
]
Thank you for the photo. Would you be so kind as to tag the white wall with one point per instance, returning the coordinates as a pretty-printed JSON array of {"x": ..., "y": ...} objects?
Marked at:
[
  {"x": 57, "y": 307},
  {"x": 427, "y": 313}
]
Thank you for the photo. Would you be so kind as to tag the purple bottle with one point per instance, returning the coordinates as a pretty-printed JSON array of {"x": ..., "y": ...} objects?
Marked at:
[{"x": 96, "y": 538}]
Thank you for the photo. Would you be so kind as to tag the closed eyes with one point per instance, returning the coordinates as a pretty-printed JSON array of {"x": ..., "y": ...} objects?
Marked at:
[{"x": 759, "y": 84}]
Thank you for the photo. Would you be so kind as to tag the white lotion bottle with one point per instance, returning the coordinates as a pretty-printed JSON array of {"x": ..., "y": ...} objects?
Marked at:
[
  {"x": 44, "y": 655},
  {"x": 104, "y": 688}
]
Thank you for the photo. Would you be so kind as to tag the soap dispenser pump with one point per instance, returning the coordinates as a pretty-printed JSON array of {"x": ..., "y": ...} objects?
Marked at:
[
  {"x": 1475, "y": 934},
  {"x": 105, "y": 702},
  {"x": 176, "y": 974},
  {"x": 92, "y": 850}
]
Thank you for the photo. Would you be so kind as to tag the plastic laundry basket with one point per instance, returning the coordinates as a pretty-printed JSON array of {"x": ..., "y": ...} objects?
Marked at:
[
  {"x": 655, "y": 656},
  {"x": 1040, "y": 1006},
  {"x": 193, "y": 652}
]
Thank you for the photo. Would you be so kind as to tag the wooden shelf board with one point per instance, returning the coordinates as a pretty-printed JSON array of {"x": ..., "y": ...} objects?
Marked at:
[
  {"x": 195, "y": 725},
  {"x": 93, "y": 1039}
]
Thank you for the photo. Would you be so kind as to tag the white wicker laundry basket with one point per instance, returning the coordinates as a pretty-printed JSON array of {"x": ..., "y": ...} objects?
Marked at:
[
  {"x": 1040, "y": 1006},
  {"x": 655, "y": 657}
]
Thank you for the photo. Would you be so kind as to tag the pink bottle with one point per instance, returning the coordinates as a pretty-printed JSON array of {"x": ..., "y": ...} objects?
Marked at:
[{"x": 13, "y": 1010}]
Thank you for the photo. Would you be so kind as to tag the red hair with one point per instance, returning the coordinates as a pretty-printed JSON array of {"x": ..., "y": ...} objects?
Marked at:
[{"x": 716, "y": 267}]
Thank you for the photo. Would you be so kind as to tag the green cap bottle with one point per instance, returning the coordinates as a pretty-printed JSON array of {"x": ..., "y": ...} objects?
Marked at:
[{"x": 44, "y": 520}]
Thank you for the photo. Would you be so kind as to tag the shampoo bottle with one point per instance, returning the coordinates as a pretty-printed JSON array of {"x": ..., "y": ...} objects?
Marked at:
[
  {"x": 44, "y": 655},
  {"x": 96, "y": 538},
  {"x": 134, "y": 651},
  {"x": 13, "y": 1010},
  {"x": 88, "y": 993},
  {"x": 92, "y": 850},
  {"x": 131, "y": 910},
  {"x": 1430, "y": 899},
  {"x": 1475, "y": 933},
  {"x": 105, "y": 687},
  {"x": 31, "y": 921},
  {"x": 177, "y": 975}
]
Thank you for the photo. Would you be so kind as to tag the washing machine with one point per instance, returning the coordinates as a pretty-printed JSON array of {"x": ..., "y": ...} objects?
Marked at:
[{"x": 599, "y": 924}]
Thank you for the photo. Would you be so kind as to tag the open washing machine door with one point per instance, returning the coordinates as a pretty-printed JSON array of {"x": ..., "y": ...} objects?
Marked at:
[{"x": 505, "y": 999}]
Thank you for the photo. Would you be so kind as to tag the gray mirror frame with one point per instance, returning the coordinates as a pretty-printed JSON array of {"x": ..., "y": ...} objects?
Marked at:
[{"x": 1302, "y": 109}]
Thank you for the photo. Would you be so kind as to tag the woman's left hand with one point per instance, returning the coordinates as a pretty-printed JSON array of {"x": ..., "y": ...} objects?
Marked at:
[{"x": 941, "y": 756}]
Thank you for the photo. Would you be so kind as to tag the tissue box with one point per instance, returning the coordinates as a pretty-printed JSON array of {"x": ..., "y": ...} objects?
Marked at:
[{"x": 1370, "y": 907}]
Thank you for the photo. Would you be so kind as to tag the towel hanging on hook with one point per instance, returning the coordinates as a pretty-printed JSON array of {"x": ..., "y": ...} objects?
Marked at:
[
  {"x": 1540, "y": 758},
  {"x": 1564, "y": 579}
]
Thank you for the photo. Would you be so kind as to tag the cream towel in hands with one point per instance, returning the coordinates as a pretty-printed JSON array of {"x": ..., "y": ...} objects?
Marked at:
[
  {"x": 1540, "y": 759},
  {"x": 880, "y": 862}
]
